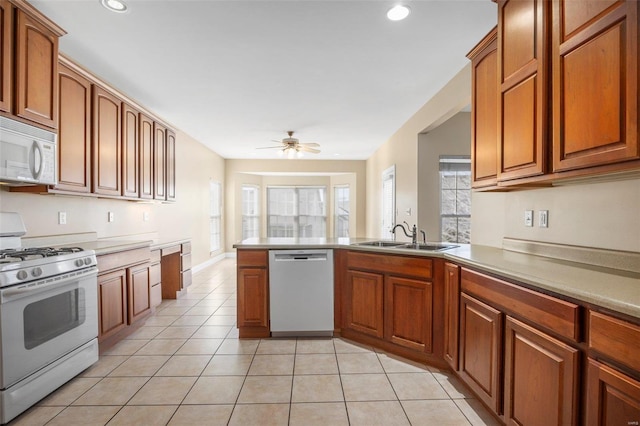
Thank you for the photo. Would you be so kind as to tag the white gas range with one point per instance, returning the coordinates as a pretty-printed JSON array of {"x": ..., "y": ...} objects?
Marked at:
[{"x": 48, "y": 317}]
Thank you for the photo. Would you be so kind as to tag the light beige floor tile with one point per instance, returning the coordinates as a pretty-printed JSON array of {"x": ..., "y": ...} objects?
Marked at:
[
  {"x": 112, "y": 391},
  {"x": 221, "y": 320},
  {"x": 277, "y": 346},
  {"x": 126, "y": 347},
  {"x": 177, "y": 332},
  {"x": 316, "y": 364},
  {"x": 212, "y": 332},
  {"x": 226, "y": 311},
  {"x": 143, "y": 415},
  {"x": 228, "y": 365},
  {"x": 71, "y": 391},
  {"x": 318, "y": 414},
  {"x": 367, "y": 387},
  {"x": 346, "y": 347},
  {"x": 214, "y": 303},
  {"x": 190, "y": 319},
  {"x": 454, "y": 387},
  {"x": 192, "y": 296},
  {"x": 158, "y": 320},
  {"x": 416, "y": 386},
  {"x": 163, "y": 391},
  {"x": 202, "y": 311},
  {"x": 266, "y": 390},
  {"x": 234, "y": 333},
  {"x": 229, "y": 304},
  {"x": 395, "y": 364},
  {"x": 184, "y": 365},
  {"x": 210, "y": 415},
  {"x": 185, "y": 302},
  {"x": 144, "y": 365},
  {"x": 260, "y": 414},
  {"x": 359, "y": 363},
  {"x": 161, "y": 347},
  {"x": 173, "y": 310},
  {"x": 434, "y": 412},
  {"x": 317, "y": 388},
  {"x": 315, "y": 346},
  {"x": 146, "y": 332},
  {"x": 105, "y": 365},
  {"x": 199, "y": 347},
  {"x": 84, "y": 416},
  {"x": 383, "y": 413},
  {"x": 36, "y": 416},
  {"x": 237, "y": 347},
  {"x": 215, "y": 390},
  {"x": 476, "y": 413},
  {"x": 273, "y": 365}
]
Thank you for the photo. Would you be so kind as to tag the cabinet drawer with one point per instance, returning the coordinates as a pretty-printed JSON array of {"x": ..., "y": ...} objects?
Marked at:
[
  {"x": 185, "y": 262},
  {"x": 186, "y": 278},
  {"x": 155, "y": 256},
  {"x": 156, "y": 295},
  {"x": 155, "y": 274},
  {"x": 170, "y": 250},
  {"x": 123, "y": 259},
  {"x": 258, "y": 258},
  {"x": 400, "y": 265},
  {"x": 557, "y": 315},
  {"x": 186, "y": 248},
  {"x": 616, "y": 339}
]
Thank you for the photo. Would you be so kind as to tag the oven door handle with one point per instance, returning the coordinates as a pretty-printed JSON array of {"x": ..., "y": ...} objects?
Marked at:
[{"x": 18, "y": 292}]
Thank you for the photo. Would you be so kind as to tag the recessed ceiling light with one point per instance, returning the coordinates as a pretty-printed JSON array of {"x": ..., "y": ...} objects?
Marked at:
[
  {"x": 114, "y": 5},
  {"x": 398, "y": 12}
]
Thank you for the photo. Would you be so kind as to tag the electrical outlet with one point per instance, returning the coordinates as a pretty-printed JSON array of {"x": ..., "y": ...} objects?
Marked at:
[
  {"x": 543, "y": 218},
  {"x": 528, "y": 218},
  {"x": 110, "y": 217},
  {"x": 145, "y": 216},
  {"x": 408, "y": 211},
  {"x": 62, "y": 218}
]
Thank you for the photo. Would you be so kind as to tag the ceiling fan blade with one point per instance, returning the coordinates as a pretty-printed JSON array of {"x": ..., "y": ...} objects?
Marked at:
[
  {"x": 311, "y": 144},
  {"x": 308, "y": 149},
  {"x": 271, "y": 147}
]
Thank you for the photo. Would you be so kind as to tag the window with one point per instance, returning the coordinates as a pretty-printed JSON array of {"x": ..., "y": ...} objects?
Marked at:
[
  {"x": 296, "y": 212},
  {"x": 250, "y": 211},
  {"x": 214, "y": 216},
  {"x": 455, "y": 199},
  {"x": 341, "y": 211},
  {"x": 388, "y": 201}
]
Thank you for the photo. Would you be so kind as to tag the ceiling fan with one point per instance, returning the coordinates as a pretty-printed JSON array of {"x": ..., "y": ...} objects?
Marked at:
[{"x": 292, "y": 147}]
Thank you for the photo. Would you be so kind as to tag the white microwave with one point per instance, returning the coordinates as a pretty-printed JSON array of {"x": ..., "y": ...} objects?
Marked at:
[{"x": 28, "y": 154}]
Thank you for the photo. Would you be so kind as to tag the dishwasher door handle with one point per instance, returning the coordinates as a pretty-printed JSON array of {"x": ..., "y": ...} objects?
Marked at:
[{"x": 300, "y": 257}]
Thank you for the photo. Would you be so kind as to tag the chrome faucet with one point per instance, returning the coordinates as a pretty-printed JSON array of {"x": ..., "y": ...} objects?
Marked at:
[
  {"x": 401, "y": 226},
  {"x": 414, "y": 232}
]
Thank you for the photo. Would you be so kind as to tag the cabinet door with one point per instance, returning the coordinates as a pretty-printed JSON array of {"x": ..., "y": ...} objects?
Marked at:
[
  {"x": 541, "y": 378},
  {"x": 484, "y": 111},
  {"x": 595, "y": 83},
  {"x": 364, "y": 308},
  {"x": 130, "y": 152},
  {"x": 613, "y": 398},
  {"x": 74, "y": 132},
  {"x": 146, "y": 157},
  {"x": 107, "y": 179},
  {"x": 112, "y": 300},
  {"x": 253, "y": 298},
  {"x": 408, "y": 313},
  {"x": 451, "y": 313},
  {"x": 522, "y": 59},
  {"x": 171, "y": 166},
  {"x": 138, "y": 289},
  {"x": 6, "y": 43},
  {"x": 159, "y": 165},
  {"x": 36, "y": 78},
  {"x": 481, "y": 349}
]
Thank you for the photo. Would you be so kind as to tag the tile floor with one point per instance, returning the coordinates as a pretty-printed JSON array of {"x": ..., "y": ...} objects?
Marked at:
[{"x": 186, "y": 366}]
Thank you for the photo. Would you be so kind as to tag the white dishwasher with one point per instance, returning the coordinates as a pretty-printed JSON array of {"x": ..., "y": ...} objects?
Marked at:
[{"x": 301, "y": 292}]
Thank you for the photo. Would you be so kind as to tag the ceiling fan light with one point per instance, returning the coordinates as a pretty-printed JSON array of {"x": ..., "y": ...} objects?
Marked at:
[
  {"x": 398, "y": 12},
  {"x": 281, "y": 152},
  {"x": 299, "y": 154},
  {"x": 291, "y": 153}
]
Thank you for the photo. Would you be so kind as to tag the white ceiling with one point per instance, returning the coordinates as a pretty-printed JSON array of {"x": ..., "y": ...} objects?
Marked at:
[{"x": 237, "y": 74}]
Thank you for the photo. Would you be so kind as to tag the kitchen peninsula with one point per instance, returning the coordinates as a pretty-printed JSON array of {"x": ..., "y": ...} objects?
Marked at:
[{"x": 497, "y": 317}]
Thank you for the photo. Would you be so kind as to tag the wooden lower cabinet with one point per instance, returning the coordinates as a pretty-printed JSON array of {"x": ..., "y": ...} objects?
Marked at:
[
  {"x": 481, "y": 350},
  {"x": 613, "y": 398},
  {"x": 253, "y": 293},
  {"x": 540, "y": 378},
  {"x": 112, "y": 302},
  {"x": 408, "y": 312},
  {"x": 139, "y": 292},
  {"x": 364, "y": 304},
  {"x": 451, "y": 313}
]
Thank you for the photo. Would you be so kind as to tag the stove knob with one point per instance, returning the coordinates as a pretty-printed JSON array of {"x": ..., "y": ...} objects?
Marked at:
[
  {"x": 36, "y": 272},
  {"x": 79, "y": 263},
  {"x": 87, "y": 261},
  {"x": 22, "y": 275}
]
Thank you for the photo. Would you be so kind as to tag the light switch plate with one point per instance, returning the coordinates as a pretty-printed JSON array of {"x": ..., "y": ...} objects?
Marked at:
[
  {"x": 110, "y": 217},
  {"x": 543, "y": 218},
  {"x": 528, "y": 218},
  {"x": 145, "y": 216},
  {"x": 62, "y": 218}
]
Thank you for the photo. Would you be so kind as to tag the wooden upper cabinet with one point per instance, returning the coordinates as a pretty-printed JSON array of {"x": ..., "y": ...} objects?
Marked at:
[
  {"x": 36, "y": 78},
  {"x": 171, "y": 166},
  {"x": 522, "y": 73},
  {"x": 595, "y": 82},
  {"x": 107, "y": 179},
  {"x": 6, "y": 41},
  {"x": 74, "y": 132},
  {"x": 130, "y": 152},
  {"x": 145, "y": 169},
  {"x": 484, "y": 117},
  {"x": 159, "y": 158}
]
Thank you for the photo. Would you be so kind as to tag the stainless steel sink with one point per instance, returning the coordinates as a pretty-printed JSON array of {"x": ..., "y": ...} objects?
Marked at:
[
  {"x": 380, "y": 244},
  {"x": 427, "y": 247}
]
